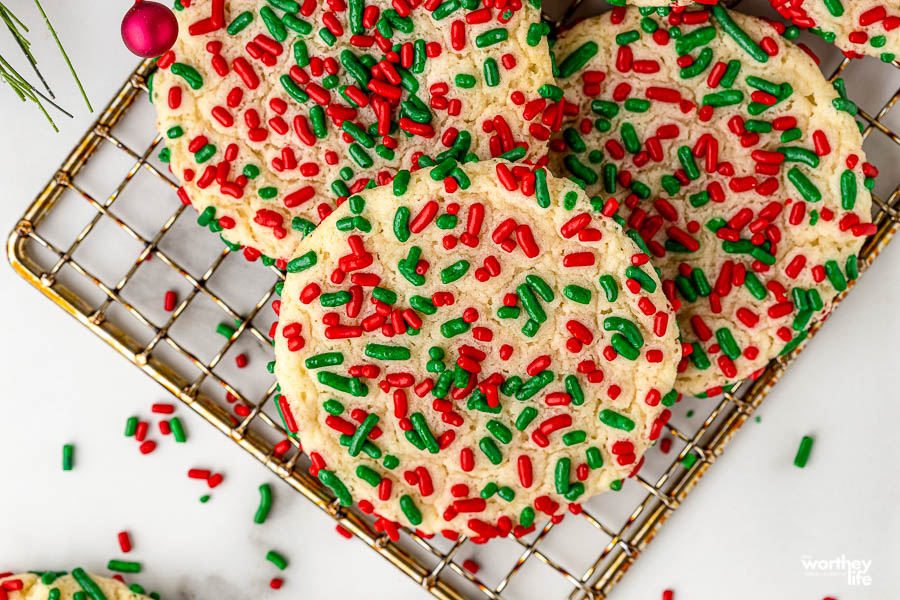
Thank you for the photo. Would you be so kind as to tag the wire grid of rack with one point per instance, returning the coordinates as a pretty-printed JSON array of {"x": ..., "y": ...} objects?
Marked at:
[{"x": 116, "y": 295}]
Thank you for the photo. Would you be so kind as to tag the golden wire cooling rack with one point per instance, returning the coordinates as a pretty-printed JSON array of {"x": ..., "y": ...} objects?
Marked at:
[{"x": 108, "y": 236}]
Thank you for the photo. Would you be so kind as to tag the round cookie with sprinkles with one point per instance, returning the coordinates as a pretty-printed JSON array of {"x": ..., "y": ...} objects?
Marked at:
[
  {"x": 275, "y": 111},
  {"x": 469, "y": 362},
  {"x": 722, "y": 145},
  {"x": 858, "y": 27},
  {"x": 65, "y": 586}
]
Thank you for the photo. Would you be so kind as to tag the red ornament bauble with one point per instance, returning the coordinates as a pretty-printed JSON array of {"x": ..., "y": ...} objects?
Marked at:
[{"x": 149, "y": 28}]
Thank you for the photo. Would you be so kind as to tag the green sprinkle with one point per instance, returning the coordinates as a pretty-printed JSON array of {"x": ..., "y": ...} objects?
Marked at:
[
  {"x": 499, "y": 431},
  {"x": 594, "y": 458},
  {"x": 326, "y": 359},
  {"x": 331, "y": 480},
  {"x": 628, "y": 37},
  {"x": 333, "y": 407},
  {"x": 647, "y": 283},
  {"x": 401, "y": 223},
  {"x": 540, "y": 287},
  {"x": 575, "y": 490},
  {"x": 454, "y": 271},
  {"x": 627, "y": 328},
  {"x": 361, "y": 433},
  {"x": 578, "y": 294},
  {"x": 690, "y": 41},
  {"x": 408, "y": 506},
  {"x": 806, "y": 188},
  {"x": 534, "y": 384},
  {"x": 464, "y": 80},
  {"x": 454, "y": 327},
  {"x": 277, "y": 559},
  {"x": 757, "y": 289},
  {"x": 727, "y": 343},
  {"x": 536, "y": 31},
  {"x": 205, "y": 153},
  {"x": 803, "y": 452},
  {"x": 833, "y": 271},
  {"x": 334, "y": 299},
  {"x": 723, "y": 98},
  {"x": 739, "y": 35},
  {"x": 574, "y": 437},
  {"x": 698, "y": 66},
  {"x": 368, "y": 475},
  {"x": 421, "y": 427},
  {"x": 67, "y": 460},
  {"x": 552, "y": 92},
  {"x": 384, "y": 295},
  {"x": 526, "y": 417},
  {"x": 273, "y": 24},
  {"x": 698, "y": 357},
  {"x": 541, "y": 192},
  {"x": 637, "y": 105},
  {"x": 508, "y": 312},
  {"x": 577, "y": 59},
  {"x": 422, "y": 304},
  {"x": 610, "y": 287},
  {"x": 489, "y": 489},
  {"x": 240, "y": 22},
  {"x": 301, "y": 263},
  {"x": 622, "y": 346},
  {"x": 506, "y": 493},
  {"x": 299, "y": 25},
  {"x": 490, "y": 450},
  {"x": 848, "y": 190},
  {"x": 301, "y": 54},
  {"x": 526, "y": 517},
  {"x": 177, "y": 430},
  {"x": 385, "y": 352},
  {"x": 615, "y": 420},
  {"x": 630, "y": 137},
  {"x": 561, "y": 475},
  {"x": 348, "y": 385},
  {"x": 188, "y": 73},
  {"x": 851, "y": 267},
  {"x": 689, "y": 459},
  {"x": 530, "y": 303},
  {"x": 87, "y": 584},
  {"x": 124, "y": 566}
]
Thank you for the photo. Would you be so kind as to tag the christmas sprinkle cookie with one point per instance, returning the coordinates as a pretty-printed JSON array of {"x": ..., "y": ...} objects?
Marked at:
[
  {"x": 78, "y": 585},
  {"x": 722, "y": 145},
  {"x": 471, "y": 349},
  {"x": 275, "y": 111},
  {"x": 857, "y": 27}
]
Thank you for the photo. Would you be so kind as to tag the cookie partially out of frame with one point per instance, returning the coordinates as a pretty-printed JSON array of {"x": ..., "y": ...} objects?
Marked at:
[
  {"x": 473, "y": 348},
  {"x": 857, "y": 27},
  {"x": 274, "y": 110},
  {"x": 735, "y": 160},
  {"x": 64, "y": 586}
]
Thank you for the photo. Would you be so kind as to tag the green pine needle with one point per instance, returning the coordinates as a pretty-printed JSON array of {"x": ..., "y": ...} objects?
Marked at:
[
  {"x": 65, "y": 56},
  {"x": 24, "y": 90}
]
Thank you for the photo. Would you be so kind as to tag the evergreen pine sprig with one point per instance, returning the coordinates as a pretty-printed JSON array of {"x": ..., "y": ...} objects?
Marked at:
[{"x": 19, "y": 85}]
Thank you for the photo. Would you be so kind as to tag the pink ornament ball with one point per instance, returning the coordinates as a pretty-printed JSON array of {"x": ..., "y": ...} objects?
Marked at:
[{"x": 149, "y": 28}]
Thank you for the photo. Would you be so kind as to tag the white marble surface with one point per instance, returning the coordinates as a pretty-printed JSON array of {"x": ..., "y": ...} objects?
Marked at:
[{"x": 745, "y": 528}]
